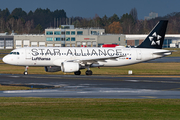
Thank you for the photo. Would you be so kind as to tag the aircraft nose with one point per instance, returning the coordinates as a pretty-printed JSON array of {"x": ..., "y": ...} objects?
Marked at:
[{"x": 5, "y": 59}]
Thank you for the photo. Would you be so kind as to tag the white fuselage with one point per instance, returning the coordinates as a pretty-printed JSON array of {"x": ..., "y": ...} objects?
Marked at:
[{"x": 54, "y": 56}]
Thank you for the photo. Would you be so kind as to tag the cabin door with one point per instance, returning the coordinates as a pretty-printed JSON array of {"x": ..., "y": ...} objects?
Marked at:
[{"x": 139, "y": 56}]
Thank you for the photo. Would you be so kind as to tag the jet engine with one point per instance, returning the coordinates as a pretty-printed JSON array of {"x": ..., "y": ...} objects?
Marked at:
[
  {"x": 52, "y": 69},
  {"x": 69, "y": 67}
]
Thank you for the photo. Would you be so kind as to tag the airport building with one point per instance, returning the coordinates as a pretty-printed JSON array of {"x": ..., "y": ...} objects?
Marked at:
[
  {"x": 68, "y": 36},
  {"x": 6, "y": 41}
]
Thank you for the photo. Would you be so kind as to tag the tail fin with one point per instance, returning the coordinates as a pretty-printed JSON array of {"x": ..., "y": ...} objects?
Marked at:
[{"x": 156, "y": 37}]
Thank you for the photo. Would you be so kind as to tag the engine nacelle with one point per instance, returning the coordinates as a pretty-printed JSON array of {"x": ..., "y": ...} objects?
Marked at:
[
  {"x": 52, "y": 69},
  {"x": 69, "y": 67}
]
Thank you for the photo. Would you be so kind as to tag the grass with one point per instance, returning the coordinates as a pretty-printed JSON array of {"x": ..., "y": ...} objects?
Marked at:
[
  {"x": 89, "y": 109},
  {"x": 5, "y": 87},
  {"x": 4, "y": 51},
  {"x": 174, "y": 54},
  {"x": 138, "y": 69}
]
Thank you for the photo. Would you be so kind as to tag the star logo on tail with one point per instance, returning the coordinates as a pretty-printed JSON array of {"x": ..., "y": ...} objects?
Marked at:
[{"x": 155, "y": 39}]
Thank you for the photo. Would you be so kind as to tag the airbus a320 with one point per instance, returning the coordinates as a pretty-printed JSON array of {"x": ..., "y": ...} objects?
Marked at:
[{"x": 73, "y": 59}]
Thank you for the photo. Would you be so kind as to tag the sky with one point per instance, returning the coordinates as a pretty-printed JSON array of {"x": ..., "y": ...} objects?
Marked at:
[{"x": 88, "y": 8}]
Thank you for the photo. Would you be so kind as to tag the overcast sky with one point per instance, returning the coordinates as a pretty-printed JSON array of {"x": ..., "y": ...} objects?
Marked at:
[{"x": 88, "y": 8}]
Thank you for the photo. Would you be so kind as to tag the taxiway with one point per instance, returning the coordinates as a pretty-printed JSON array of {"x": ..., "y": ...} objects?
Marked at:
[{"x": 70, "y": 86}]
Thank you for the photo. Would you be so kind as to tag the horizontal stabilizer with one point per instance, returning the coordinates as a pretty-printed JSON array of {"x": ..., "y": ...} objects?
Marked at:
[{"x": 164, "y": 53}]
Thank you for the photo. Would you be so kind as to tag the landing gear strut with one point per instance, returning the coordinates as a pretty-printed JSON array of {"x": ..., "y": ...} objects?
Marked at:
[
  {"x": 77, "y": 73},
  {"x": 26, "y": 70}
]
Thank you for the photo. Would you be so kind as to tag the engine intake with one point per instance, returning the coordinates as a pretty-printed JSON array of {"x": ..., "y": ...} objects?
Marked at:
[{"x": 69, "y": 67}]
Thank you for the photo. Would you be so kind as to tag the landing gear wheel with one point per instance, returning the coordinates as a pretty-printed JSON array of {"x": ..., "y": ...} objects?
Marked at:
[
  {"x": 25, "y": 73},
  {"x": 88, "y": 72},
  {"x": 26, "y": 70},
  {"x": 77, "y": 73}
]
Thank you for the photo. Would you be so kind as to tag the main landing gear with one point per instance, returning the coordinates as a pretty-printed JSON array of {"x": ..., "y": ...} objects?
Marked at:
[
  {"x": 77, "y": 73},
  {"x": 26, "y": 70},
  {"x": 88, "y": 72}
]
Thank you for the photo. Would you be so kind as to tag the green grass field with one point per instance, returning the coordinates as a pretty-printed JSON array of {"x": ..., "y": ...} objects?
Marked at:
[
  {"x": 176, "y": 52},
  {"x": 7, "y": 87},
  {"x": 89, "y": 109},
  {"x": 138, "y": 69}
]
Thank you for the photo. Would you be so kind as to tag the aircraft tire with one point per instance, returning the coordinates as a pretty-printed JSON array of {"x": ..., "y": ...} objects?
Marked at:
[
  {"x": 77, "y": 73},
  {"x": 88, "y": 72},
  {"x": 25, "y": 73}
]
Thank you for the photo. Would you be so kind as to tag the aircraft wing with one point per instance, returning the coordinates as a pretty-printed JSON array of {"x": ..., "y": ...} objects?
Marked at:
[{"x": 89, "y": 61}]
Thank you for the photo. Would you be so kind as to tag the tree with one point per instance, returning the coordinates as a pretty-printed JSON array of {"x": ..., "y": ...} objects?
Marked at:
[
  {"x": 19, "y": 13},
  {"x": 115, "y": 28},
  {"x": 11, "y": 23},
  {"x": 29, "y": 25},
  {"x": 39, "y": 28},
  {"x": 113, "y": 18},
  {"x": 19, "y": 25},
  {"x": 96, "y": 20},
  {"x": 2, "y": 24},
  {"x": 133, "y": 13},
  {"x": 127, "y": 23},
  {"x": 105, "y": 20},
  {"x": 5, "y": 13}
]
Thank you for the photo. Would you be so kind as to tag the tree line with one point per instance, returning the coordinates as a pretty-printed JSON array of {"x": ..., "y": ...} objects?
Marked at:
[
  {"x": 129, "y": 23},
  {"x": 35, "y": 22},
  {"x": 31, "y": 22}
]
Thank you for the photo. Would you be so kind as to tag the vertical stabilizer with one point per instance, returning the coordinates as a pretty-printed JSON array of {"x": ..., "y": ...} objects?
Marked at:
[{"x": 156, "y": 37}]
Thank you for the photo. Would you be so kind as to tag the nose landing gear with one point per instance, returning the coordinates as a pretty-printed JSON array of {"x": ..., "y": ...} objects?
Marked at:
[{"x": 26, "y": 70}]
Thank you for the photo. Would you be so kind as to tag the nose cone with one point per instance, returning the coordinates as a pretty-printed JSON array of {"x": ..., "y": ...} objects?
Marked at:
[
  {"x": 8, "y": 59},
  {"x": 5, "y": 59}
]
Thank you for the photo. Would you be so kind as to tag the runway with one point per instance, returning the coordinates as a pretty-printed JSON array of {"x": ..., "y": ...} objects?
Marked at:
[{"x": 70, "y": 86}]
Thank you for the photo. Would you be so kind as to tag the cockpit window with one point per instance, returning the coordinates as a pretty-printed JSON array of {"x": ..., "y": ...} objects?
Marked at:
[{"x": 14, "y": 53}]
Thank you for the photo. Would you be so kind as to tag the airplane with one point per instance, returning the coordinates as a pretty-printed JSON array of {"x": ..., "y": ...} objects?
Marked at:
[{"x": 73, "y": 59}]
